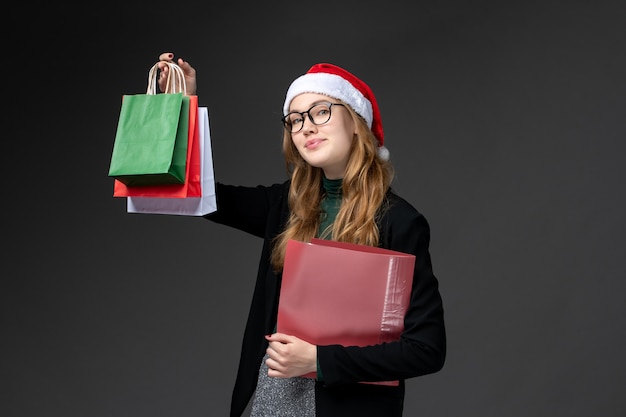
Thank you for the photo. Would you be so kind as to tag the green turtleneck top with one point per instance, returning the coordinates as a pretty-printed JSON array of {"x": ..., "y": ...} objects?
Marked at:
[{"x": 329, "y": 206}]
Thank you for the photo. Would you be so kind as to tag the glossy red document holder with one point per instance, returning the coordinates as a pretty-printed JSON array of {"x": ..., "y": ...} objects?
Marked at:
[{"x": 344, "y": 293}]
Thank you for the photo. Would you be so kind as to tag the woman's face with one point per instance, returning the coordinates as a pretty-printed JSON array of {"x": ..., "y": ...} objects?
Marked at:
[{"x": 326, "y": 146}]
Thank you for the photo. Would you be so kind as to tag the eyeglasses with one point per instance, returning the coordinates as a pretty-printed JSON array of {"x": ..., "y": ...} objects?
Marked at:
[{"x": 318, "y": 114}]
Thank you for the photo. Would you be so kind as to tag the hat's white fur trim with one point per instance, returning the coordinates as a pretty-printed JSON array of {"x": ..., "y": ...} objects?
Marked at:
[{"x": 333, "y": 86}]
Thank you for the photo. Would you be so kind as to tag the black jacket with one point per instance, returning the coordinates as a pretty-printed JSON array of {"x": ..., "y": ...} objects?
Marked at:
[{"x": 263, "y": 211}]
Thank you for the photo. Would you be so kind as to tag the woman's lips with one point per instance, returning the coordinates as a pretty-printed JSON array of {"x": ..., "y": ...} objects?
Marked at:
[{"x": 313, "y": 143}]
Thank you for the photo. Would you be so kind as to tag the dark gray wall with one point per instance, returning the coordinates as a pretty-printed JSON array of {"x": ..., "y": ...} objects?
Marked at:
[{"x": 506, "y": 124}]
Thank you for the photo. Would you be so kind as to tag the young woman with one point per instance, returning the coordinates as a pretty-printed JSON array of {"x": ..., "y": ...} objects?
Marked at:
[{"x": 339, "y": 188}]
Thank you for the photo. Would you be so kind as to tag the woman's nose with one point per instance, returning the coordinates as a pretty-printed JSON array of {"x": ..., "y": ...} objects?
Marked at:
[{"x": 308, "y": 124}]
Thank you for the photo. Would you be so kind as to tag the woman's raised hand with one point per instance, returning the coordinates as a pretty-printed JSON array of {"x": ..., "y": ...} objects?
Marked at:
[{"x": 188, "y": 70}]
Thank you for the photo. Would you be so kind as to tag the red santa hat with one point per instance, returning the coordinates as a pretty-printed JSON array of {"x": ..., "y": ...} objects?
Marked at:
[{"x": 336, "y": 82}]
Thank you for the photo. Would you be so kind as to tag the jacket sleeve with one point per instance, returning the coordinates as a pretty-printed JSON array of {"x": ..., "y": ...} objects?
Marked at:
[
  {"x": 246, "y": 208},
  {"x": 422, "y": 346}
]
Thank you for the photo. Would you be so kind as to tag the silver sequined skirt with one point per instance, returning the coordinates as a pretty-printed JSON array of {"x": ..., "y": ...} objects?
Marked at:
[{"x": 283, "y": 397}]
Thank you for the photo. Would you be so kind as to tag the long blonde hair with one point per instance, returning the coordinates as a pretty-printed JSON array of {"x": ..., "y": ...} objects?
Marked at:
[{"x": 366, "y": 181}]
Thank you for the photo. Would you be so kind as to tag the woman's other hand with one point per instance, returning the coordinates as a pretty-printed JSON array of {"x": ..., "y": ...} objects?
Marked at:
[{"x": 290, "y": 356}]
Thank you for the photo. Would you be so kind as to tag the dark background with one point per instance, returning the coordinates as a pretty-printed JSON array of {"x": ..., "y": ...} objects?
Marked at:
[{"x": 505, "y": 120}]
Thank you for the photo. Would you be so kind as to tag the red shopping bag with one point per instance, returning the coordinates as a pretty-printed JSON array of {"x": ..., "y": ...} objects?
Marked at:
[{"x": 192, "y": 185}]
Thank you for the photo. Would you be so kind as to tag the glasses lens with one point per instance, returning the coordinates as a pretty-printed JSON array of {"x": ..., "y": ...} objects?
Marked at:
[
  {"x": 293, "y": 122},
  {"x": 320, "y": 113}
]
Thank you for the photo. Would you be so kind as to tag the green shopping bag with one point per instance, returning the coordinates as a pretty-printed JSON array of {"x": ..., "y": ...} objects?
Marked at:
[{"x": 151, "y": 140}]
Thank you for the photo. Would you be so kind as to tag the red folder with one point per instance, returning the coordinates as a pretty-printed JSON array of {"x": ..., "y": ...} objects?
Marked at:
[{"x": 344, "y": 293}]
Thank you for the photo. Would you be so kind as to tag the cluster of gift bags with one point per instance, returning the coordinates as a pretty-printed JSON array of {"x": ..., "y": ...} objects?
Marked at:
[{"x": 161, "y": 160}]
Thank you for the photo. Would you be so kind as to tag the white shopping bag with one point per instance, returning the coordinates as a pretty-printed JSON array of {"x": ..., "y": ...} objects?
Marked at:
[{"x": 189, "y": 206}]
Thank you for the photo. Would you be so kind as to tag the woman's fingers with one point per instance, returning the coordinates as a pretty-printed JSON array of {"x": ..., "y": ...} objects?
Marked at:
[{"x": 166, "y": 56}]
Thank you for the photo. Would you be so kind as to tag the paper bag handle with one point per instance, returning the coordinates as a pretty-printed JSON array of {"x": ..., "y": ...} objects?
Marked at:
[{"x": 175, "y": 79}]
